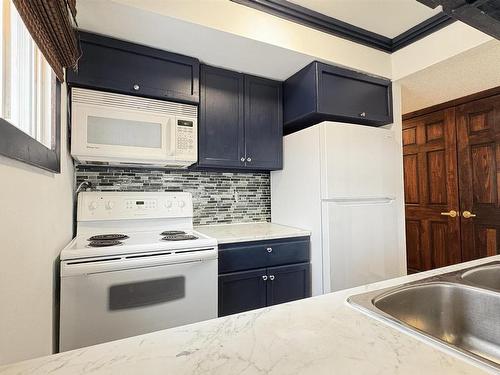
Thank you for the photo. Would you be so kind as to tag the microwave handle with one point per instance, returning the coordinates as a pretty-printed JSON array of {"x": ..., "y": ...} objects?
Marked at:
[{"x": 173, "y": 133}]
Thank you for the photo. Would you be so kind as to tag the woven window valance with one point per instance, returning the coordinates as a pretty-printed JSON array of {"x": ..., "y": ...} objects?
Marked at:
[{"x": 52, "y": 23}]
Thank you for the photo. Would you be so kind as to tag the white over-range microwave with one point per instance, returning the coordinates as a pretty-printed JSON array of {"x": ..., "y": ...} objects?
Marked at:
[{"x": 116, "y": 129}]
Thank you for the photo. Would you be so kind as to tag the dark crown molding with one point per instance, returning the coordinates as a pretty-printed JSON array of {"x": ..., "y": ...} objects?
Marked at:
[{"x": 307, "y": 17}]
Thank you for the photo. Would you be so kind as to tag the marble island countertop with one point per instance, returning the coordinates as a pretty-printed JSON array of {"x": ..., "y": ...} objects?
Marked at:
[
  {"x": 231, "y": 233},
  {"x": 319, "y": 335}
]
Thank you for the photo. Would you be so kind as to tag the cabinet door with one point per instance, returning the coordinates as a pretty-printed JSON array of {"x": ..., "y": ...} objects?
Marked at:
[
  {"x": 263, "y": 123},
  {"x": 354, "y": 97},
  {"x": 242, "y": 291},
  {"x": 288, "y": 283},
  {"x": 221, "y": 133},
  {"x": 115, "y": 65}
]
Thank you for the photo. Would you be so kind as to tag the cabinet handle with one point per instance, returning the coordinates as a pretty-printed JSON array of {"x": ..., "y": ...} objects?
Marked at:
[
  {"x": 271, "y": 277},
  {"x": 362, "y": 114},
  {"x": 269, "y": 249},
  {"x": 242, "y": 159},
  {"x": 264, "y": 278},
  {"x": 249, "y": 159},
  {"x": 136, "y": 87}
]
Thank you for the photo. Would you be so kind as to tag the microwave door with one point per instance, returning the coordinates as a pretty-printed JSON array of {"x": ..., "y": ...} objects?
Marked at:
[{"x": 120, "y": 134}]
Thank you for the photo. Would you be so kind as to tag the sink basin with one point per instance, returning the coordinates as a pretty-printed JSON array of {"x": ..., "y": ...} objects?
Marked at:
[
  {"x": 486, "y": 276},
  {"x": 460, "y": 310},
  {"x": 464, "y": 317}
]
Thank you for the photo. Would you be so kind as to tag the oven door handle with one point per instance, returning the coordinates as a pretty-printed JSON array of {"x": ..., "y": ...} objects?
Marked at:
[{"x": 133, "y": 261}]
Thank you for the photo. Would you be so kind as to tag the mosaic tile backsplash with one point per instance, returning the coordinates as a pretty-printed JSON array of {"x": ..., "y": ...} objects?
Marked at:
[{"x": 218, "y": 197}]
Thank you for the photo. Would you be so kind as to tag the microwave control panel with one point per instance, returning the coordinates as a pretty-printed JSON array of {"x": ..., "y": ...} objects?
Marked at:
[{"x": 186, "y": 136}]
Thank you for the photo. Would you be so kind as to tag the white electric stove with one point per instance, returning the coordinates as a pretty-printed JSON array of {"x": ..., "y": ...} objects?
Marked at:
[{"x": 135, "y": 266}]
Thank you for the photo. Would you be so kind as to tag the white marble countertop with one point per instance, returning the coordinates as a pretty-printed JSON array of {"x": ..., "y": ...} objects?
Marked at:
[
  {"x": 319, "y": 335},
  {"x": 243, "y": 232}
]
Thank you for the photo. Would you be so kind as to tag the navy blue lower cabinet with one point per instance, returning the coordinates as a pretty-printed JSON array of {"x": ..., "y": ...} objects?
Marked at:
[
  {"x": 288, "y": 283},
  {"x": 263, "y": 273},
  {"x": 242, "y": 291}
]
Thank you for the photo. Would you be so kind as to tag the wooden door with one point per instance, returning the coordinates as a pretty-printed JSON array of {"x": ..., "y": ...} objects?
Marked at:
[
  {"x": 288, "y": 283},
  {"x": 242, "y": 291},
  {"x": 431, "y": 189},
  {"x": 221, "y": 140},
  {"x": 478, "y": 125},
  {"x": 263, "y": 124}
]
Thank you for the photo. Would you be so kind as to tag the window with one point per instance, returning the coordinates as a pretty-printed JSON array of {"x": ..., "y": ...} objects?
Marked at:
[
  {"x": 27, "y": 89},
  {"x": 29, "y": 93}
]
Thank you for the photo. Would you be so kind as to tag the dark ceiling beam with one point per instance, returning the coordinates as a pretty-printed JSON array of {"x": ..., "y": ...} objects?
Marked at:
[
  {"x": 318, "y": 21},
  {"x": 421, "y": 30},
  {"x": 483, "y": 15}
]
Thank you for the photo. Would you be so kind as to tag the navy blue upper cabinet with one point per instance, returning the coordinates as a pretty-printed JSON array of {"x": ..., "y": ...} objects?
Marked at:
[
  {"x": 123, "y": 67},
  {"x": 241, "y": 121},
  {"x": 263, "y": 123},
  {"x": 322, "y": 92},
  {"x": 221, "y": 131}
]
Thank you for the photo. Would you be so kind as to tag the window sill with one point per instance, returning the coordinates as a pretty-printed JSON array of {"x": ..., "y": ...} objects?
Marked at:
[{"x": 16, "y": 144}]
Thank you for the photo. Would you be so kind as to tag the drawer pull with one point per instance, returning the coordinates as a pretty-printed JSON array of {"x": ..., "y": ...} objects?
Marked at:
[
  {"x": 269, "y": 249},
  {"x": 136, "y": 87},
  {"x": 362, "y": 114},
  {"x": 264, "y": 278},
  {"x": 271, "y": 277}
]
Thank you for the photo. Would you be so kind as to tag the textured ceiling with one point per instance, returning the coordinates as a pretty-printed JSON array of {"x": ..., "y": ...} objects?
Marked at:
[
  {"x": 386, "y": 17},
  {"x": 470, "y": 72}
]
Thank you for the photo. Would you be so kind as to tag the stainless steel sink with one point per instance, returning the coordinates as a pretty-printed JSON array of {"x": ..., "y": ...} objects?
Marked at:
[
  {"x": 486, "y": 276},
  {"x": 453, "y": 309}
]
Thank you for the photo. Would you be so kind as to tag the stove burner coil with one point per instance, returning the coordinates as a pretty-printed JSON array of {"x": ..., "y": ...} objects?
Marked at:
[
  {"x": 172, "y": 232},
  {"x": 104, "y": 243},
  {"x": 179, "y": 237},
  {"x": 108, "y": 237}
]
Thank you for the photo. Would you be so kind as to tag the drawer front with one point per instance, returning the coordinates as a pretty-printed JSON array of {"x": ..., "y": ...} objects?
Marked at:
[{"x": 259, "y": 254}]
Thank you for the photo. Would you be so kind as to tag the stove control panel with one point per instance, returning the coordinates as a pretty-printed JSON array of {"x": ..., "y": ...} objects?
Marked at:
[{"x": 133, "y": 205}]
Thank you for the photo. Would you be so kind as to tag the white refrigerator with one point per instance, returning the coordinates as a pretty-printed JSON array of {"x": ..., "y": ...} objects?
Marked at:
[{"x": 343, "y": 182}]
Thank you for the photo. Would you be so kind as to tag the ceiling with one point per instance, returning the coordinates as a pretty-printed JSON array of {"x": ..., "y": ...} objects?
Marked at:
[
  {"x": 467, "y": 73},
  {"x": 389, "y": 18},
  {"x": 211, "y": 46}
]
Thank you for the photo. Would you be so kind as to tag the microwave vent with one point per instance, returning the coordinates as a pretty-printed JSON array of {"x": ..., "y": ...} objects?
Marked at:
[{"x": 120, "y": 101}]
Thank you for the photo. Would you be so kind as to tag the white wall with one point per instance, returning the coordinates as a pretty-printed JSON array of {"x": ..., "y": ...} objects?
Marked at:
[
  {"x": 472, "y": 71},
  {"x": 35, "y": 224},
  {"x": 434, "y": 48},
  {"x": 397, "y": 128}
]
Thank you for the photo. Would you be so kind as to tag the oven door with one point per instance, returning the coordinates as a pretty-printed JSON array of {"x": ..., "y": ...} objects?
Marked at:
[
  {"x": 101, "y": 133},
  {"x": 116, "y": 298}
]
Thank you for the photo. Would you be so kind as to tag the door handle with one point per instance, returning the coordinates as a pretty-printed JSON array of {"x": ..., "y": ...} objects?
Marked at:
[
  {"x": 264, "y": 278},
  {"x": 451, "y": 213},
  {"x": 468, "y": 214},
  {"x": 271, "y": 277}
]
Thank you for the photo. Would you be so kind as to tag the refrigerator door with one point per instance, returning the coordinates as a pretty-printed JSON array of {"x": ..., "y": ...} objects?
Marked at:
[
  {"x": 358, "y": 161},
  {"x": 360, "y": 242}
]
